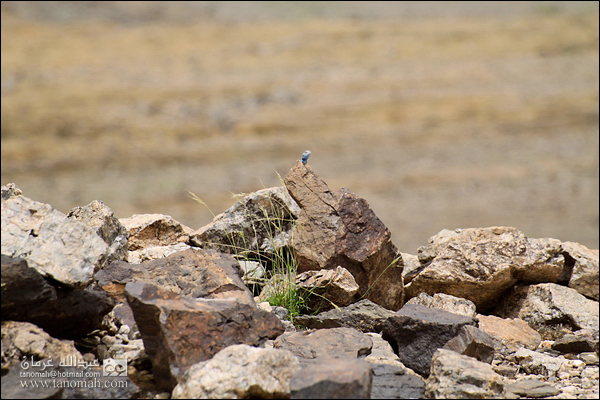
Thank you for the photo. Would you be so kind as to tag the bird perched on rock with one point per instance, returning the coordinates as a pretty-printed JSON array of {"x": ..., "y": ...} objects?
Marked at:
[{"x": 305, "y": 156}]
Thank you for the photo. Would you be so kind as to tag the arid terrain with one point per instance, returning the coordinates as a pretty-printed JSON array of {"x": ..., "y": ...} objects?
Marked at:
[{"x": 440, "y": 114}]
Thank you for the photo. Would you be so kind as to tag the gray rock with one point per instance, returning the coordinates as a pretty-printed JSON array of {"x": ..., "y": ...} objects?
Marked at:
[
  {"x": 391, "y": 379},
  {"x": 179, "y": 331},
  {"x": 259, "y": 223},
  {"x": 472, "y": 342},
  {"x": 325, "y": 342},
  {"x": 584, "y": 340},
  {"x": 341, "y": 229},
  {"x": 20, "y": 339},
  {"x": 533, "y": 362},
  {"x": 240, "y": 372},
  {"x": 333, "y": 378},
  {"x": 364, "y": 315},
  {"x": 325, "y": 289},
  {"x": 531, "y": 388},
  {"x": 446, "y": 302},
  {"x": 101, "y": 218},
  {"x": 415, "y": 332},
  {"x": 584, "y": 277},
  {"x": 58, "y": 247},
  {"x": 59, "y": 310},
  {"x": 455, "y": 376},
  {"x": 552, "y": 310}
]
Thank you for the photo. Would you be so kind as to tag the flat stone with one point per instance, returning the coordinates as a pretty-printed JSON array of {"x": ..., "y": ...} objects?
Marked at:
[
  {"x": 531, "y": 388},
  {"x": 416, "y": 332},
  {"x": 333, "y": 378},
  {"x": 325, "y": 342}
]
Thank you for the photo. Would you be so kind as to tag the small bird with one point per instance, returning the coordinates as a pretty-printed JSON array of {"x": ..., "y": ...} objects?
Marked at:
[{"x": 305, "y": 156}]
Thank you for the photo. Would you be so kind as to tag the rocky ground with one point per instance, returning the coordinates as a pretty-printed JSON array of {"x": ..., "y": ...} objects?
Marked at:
[
  {"x": 477, "y": 313},
  {"x": 441, "y": 114}
]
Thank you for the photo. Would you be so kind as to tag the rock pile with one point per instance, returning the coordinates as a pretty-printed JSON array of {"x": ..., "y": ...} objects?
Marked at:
[{"x": 144, "y": 307}]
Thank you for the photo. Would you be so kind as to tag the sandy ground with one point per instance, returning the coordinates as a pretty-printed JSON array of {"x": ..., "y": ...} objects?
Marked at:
[{"x": 440, "y": 114}]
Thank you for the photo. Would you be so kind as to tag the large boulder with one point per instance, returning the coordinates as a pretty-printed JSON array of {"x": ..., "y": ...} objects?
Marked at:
[
  {"x": 455, "y": 376},
  {"x": 240, "y": 372},
  {"x": 480, "y": 264},
  {"x": 65, "y": 249},
  {"x": 192, "y": 272},
  {"x": 552, "y": 310},
  {"x": 341, "y": 229},
  {"x": 179, "y": 331},
  {"x": 416, "y": 332}
]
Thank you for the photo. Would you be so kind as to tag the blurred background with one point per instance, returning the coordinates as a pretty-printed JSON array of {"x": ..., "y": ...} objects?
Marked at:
[{"x": 439, "y": 114}]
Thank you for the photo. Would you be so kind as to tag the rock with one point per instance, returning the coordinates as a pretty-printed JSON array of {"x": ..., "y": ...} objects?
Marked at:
[
  {"x": 583, "y": 340},
  {"x": 101, "y": 219},
  {"x": 584, "y": 277},
  {"x": 509, "y": 335},
  {"x": 9, "y": 190},
  {"x": 341, "y": 229},
  {"x": 12, "y": 387},
  {"x": 333, "y": 378},
  {"x": 412, "y": 267},
  {"x": 324, "y": 289},
  {"x": 455, "y": 376},
  {"x": 533, "y": 362},
  {"x": 152, "y": 253},
  {"x": 193, "y": 272},
  {"x": 550, "y": 309},
  {"x": 531, "y": 388},
  {"x": 58, "y": 247},
  {"x": 259, "y": 223},
  {"x": 445, "y": 302},
  {"x": 59, "y": 310},
  {"x": 480, "y": 264},
  {"x": 415, "y": 332},
  {"x": 179, "y": 331},
  {"x": 152, "y": 230},
  {"x": 325, "y": 342},
  {"x": 23, "y": 339},
  {"x": 472, "y": 342},
  {"x": 391, "y": 379},
  {"x": 240, "y": 372},
  {"x": 364, "y": 315}
]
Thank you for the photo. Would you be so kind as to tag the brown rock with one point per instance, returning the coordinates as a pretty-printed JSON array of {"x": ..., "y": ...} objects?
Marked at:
[
  {"x": 150, "y": 230},
  {"x": 341, "y": 229},
  {"x": 193, "y": 272},
  {"x": 179, "y": 331},
  {"x": 325, "y": 288},
  {"x": 480, "y": 264},
  {"x": 509, "y": 334}
]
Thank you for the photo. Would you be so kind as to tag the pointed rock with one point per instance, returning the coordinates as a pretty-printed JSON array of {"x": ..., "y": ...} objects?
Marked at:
[{"x": 341, "y": 229}]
